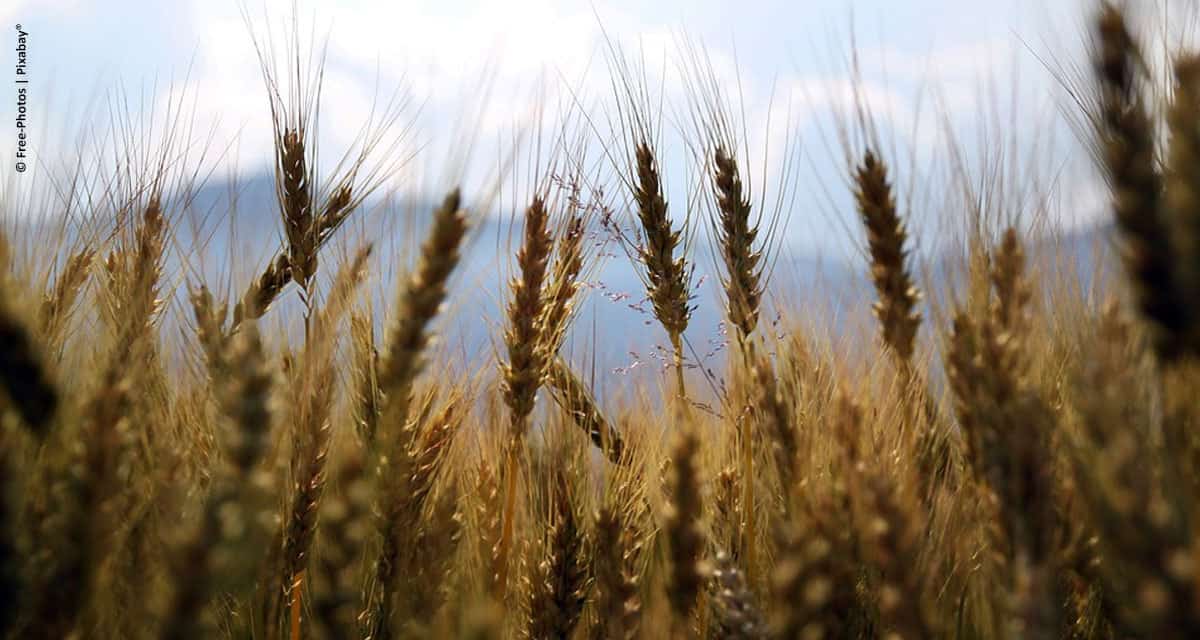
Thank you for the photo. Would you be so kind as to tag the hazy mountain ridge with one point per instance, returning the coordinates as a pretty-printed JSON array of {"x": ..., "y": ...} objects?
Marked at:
[{"x": 238, "y": 224}]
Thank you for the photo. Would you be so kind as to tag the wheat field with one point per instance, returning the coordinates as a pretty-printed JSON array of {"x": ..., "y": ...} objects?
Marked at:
[{"x": 1021, "y": 460}]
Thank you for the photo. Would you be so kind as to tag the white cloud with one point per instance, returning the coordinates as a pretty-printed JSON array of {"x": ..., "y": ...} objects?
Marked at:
[
  {"x": 511, "y": 59},
  {"x": 10, "y": 10},
  {"x": 15, "y": 11}
]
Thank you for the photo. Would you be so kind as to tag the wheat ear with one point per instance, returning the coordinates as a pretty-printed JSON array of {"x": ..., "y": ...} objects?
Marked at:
[
  {"x": 886, "y": 238},
  {"x": 310, "y": 416},
  {"x": 296, "y": 207},
  {"x": 523, "y": 373},
  {"x": 56, "y": 306},
  {"x": 666, "y": 275},
  {"x": 743, "y": 295},
  {"x": 735, "y": 610},
  {"x": 558, "y": 583},
  {"x": 737, "y": 233},
  {"x": 1182, "y": 184},
  {"x": 1127, "y": 140},
  {"x": 575, "y": 399},
  {"x": 685, "y": 537},
  {"x": 23, "y": 377},
  {"x": 561, "y": 289},
  {"x": 614, "y": 566},
  {"x": 201, "y": 575},
  {"x": 420, "y": 301}
]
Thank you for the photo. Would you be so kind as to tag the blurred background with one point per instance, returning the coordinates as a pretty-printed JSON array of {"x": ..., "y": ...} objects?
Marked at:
[{"x": 973, "y": 102}]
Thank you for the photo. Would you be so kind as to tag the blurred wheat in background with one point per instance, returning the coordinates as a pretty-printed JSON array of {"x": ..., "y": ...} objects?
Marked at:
[{"x": 301, "y": 452}]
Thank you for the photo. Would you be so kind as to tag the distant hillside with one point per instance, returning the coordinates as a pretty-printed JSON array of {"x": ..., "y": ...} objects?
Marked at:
[{"x": 614, "y": 324}]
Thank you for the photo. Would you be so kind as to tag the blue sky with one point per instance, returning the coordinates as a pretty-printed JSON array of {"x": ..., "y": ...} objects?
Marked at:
[{"x": 926, "y": 65}]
